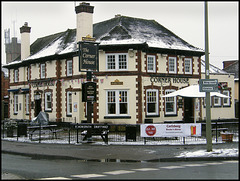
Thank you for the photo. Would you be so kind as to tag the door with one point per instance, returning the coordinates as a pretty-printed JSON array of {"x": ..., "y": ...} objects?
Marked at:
[
  {"x": 188, "y": 110},
  {"x": 38, "y": 101}
]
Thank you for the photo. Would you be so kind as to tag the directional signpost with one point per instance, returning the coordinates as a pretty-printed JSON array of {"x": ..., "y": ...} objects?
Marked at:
[{"x": 208, "y": 85}]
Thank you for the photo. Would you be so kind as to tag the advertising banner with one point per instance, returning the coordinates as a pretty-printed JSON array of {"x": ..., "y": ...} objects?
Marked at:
[{"x": 170, "y": 130}]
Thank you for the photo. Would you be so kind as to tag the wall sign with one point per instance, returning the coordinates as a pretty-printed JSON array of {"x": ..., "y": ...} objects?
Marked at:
[
  {"x": 89, "y": 92},
  {"x": 181, "y": 80}
]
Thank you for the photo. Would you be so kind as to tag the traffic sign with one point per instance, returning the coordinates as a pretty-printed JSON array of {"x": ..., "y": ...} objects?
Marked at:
[{"x": 208, "y": 85}]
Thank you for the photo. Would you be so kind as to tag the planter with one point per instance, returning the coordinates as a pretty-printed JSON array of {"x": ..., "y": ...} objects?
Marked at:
[{"x": 227, "y": 137}]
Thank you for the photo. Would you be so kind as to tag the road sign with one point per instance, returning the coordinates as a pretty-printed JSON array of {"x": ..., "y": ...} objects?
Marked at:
[{"x": 208, "y": 85}]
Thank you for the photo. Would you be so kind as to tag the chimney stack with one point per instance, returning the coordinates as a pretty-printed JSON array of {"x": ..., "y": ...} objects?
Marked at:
[
  {"x": 84, "y": 20},
  {"x": 25, "y": 41}
]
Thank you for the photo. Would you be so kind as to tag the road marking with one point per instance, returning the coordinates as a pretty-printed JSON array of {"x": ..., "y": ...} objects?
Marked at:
[
  {"x": 214, "y": 163},
  {"x": 194, "y": 165},
  {"x": 55, "y": 178},
  {"x": 230, "y": 161},
  {"x": 145, "y": 169},
  {"x": 172, "y": 167},
  {"x": 88, "y": 175},
  {"x": 118, "y": 172}
]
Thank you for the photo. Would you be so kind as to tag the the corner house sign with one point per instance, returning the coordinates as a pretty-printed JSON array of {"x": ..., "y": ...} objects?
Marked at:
[
  {"x": 181, "y": 80},
  {"x": 116, "y": 82},
  {"x": 88, "y": 55},
  {"x": 89, "y": 92}
]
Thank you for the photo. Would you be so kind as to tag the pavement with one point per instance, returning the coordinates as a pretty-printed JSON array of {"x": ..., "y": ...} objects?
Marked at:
[{"x": 111, "y": 153}]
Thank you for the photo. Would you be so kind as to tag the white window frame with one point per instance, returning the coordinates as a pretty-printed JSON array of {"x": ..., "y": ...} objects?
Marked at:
[
  {"x": 42, "y": 71},
  {"x": 117, "y": 102},
  {"x": 217, "y": 100},
  {"x": 226, "y": 101},
  {"x": 69, "y": 103},
  {"x": 15, "y": 103},
  {"x": 152, "y": 99},
  {"x": 27, "y": 103},
  {"x": 153, "y": 64},
  {"x": 16, "y": 78},
  {"x": 170, "y": 99},
  {"x": 190, "y": 65},
  {"x": 28, "y": 73},
  {"x": 174, "y": 59},
  {"x": 48, "y": 101},
  {"x": 69, "y": 68},
  {"x": 116, "y": 61}
]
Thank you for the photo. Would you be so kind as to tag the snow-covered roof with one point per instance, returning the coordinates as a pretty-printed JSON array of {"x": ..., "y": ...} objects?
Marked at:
[
  {"x": 116, "y": 31},
  {"x": 5, "y": 71}
]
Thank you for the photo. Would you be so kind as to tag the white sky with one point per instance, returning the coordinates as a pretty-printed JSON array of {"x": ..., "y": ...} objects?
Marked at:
[{"x": 185, "y": 19}]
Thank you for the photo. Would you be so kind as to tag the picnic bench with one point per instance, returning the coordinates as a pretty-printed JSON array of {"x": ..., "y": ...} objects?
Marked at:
[
  {"x": 42, "y": 129},
  {"x": 89, "y": 130}
]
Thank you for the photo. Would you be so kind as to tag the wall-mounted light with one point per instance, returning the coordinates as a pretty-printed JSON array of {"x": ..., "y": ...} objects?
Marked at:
[
  {"x": 131, "y": 53},
  {"x": 164, "y": 55}
]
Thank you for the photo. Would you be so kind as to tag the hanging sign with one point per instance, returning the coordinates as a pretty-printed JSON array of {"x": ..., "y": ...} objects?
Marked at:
[
  {"x": 88, "y": 56},
  {"x": 89, "y": 92}
]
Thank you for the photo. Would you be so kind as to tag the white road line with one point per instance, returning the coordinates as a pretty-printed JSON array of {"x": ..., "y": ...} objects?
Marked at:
[
  {"x": 172, "y": 167},
  {"x": 55, "y": 178},
  {"x": 118, "y": 172},
  {"x": 194, "y": 165},
  {"x": 230, "y": 161},
  {"x": 214, "y": 163},
  {"x": 88, "y": 175},
  {"x": 145, "y": 169}
]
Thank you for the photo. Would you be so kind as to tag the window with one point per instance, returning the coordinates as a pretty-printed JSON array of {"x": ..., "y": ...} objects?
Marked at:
[
  {"x": 48, "y": 101},
  {"x": 226, "y": 101},
  {"x": 42, "y": 71},
  {"x": 69, "y": 68},
  {"x": 69, "y": 103},
  {"x": 170, "y": 103},
  {"x": 172, "y": 65},
  {"x": 117, "y": 102},
  {"x": 116, "y": 62},
  {"x": 152, "y": 102},
  {"x": 28, "y": 73},
  {"x": 16, "y": 75},
  {"x": 27, "y": 103},
  {"x": 217, "y": 101},
  {"x": 15, "y": 103},
  {"x": 188, "y": 65},
  {"x": 151, "y": 67}
]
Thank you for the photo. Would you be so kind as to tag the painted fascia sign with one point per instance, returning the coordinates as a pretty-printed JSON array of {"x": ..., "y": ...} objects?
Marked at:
[{"x": 170, "y": 130}]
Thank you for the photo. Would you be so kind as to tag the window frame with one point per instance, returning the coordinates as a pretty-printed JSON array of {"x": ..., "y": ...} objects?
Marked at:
[
  {"x": 69, "y": 68},
  {"x": 42, "y": 70},
  {"x": 218, "y": 99},
  {"x": 69, "y": 109},
  {"x": 156, "y": 102},
  {"x": 154, "y": 63},
  {"x": 48, "y": 101},
  {"x": 16, "y": 75},
  {"x": 116, "y": 62},
  {"x": 190, "y": 65},
  {"x": 117, "y": 102},
  {"x": 16, "y": 104},
  {"x": 227, "y": 104},
  {"x": 174, "y": 112},
  {"x": 175, "y": 65},
  {"x": 27, "y": 103}
]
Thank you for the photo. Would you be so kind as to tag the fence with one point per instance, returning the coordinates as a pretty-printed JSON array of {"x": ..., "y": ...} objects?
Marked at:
[{"x": 74, "y": 133}]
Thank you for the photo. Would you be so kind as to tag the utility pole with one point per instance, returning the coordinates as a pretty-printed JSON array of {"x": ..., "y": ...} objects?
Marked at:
[{"x": 208, "y": 109}]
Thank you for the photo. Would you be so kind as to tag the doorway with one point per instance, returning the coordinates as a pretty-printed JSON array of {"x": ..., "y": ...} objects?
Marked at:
[
  {"x": 188, "y": 110},
  {"x": 38, "y": 106}
]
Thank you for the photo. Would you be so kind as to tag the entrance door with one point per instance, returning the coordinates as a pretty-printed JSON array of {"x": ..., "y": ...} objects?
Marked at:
[
  {"x": 38, "y": 107},
  {"x": 188, "y": 110}
]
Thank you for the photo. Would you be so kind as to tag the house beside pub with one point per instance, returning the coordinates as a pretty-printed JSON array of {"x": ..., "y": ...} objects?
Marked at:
[{"x": 139, "y": 62}]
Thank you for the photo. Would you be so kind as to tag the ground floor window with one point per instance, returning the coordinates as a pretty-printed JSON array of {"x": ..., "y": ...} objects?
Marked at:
[
  {"x": 152, "y": 102},
  {"x": 48, "y": 101},
  {"x": 15, "y": 104},
  {"x": 226, "y": 101},
  {"x": 117, "y": 102},
  {"x": 69, "y": 103},
  {"x": 170, "y": 103}
]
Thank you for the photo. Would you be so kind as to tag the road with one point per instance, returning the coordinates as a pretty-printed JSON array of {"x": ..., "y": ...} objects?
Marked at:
[{"x": 31, "y": 168}]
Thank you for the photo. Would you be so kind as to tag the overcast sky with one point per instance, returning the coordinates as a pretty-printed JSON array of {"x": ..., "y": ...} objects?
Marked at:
[{"x": 185, "y": 19}]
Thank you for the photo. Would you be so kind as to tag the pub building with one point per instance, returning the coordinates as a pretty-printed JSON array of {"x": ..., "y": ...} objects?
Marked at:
[{"x": 139, "y": 62}]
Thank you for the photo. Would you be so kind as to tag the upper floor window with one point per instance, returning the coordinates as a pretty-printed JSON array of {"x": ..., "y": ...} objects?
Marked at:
[
  {"x": 42, "y": 71},
  {"x": 69, "y": 68},
  {"x": 152, "y": 102},
  {"x": 226, "y": 101},
  {"x": 170, "y": 103},
  {"x": 28, "y": 73},
  {"x": 151, "y": 63},
  {"x": 27, "y": 103},
  {"x": 16, "y": 78},
  {"x": 116, "y": 61},
  {"x": 188, "y": 66},
  {"x": 172, "y": 64}
]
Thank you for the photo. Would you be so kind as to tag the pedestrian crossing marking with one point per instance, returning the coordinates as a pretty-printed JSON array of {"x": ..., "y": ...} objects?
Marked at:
[
  {"x": 145, "y": 169},
  {"x": 118, "y": 172},
  {"x": 55, "y": 178},
  {"x": 172, "y": 167},
  {"x": 88, "y": 175}
]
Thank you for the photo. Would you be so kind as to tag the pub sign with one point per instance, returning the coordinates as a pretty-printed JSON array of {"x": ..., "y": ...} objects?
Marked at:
[{"x": 89, "y": 92}]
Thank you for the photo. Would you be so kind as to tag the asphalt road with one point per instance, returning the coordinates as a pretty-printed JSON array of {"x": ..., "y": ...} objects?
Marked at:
[{"x": 32, "y": 168}]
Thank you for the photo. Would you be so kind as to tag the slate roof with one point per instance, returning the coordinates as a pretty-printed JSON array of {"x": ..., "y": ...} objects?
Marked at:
[
  {"x": 121, "y": 30},
  {"x": 233, "y": 68}
]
